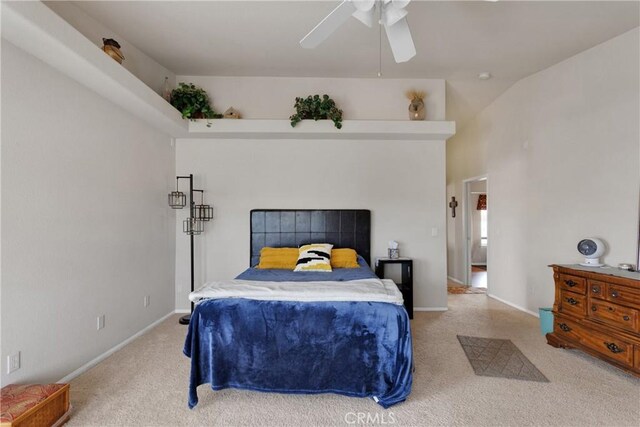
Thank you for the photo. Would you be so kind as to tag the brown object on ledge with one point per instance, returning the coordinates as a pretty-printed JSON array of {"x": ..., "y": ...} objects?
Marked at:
[
  {"x": 35, "y": 405},
  {"x": 598, "y": 312},
  {"x": 112, "y": 48}
]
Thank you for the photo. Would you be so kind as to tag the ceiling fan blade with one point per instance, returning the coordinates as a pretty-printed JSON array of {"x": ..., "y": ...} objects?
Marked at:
[
  {"x": 328, "y": 25},
  {"x": 399, "y": 4},
  {"x": 400, "y": 41},
  {"x": 365, "y": 16}
]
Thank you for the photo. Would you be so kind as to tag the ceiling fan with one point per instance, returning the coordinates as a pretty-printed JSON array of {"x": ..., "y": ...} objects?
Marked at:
[{"x": 392, "y": 16}]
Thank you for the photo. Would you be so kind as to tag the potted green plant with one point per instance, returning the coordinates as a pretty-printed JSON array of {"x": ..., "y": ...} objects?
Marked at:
[
  {"x": 192, "y": 102},
  {"x": 316, "y": 108}
]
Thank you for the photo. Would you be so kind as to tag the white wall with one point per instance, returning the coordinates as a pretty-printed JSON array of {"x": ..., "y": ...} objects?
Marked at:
[
  {"x": 360, "y": 99},
  {"x": 402, "y": 183},
  {"x": 137, "y": 62},
  {"x": 562, "y": 152},
  {"x": 240, "y": 175},
  {"x": 85, "y": 226}
]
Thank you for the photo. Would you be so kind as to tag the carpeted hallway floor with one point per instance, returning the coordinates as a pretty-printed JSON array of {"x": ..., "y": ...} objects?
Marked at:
[{"x": 145, "y": 384}]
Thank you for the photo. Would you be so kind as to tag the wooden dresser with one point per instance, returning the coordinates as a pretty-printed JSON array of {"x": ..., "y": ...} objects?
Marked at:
[{"x": 598, "y": 312}]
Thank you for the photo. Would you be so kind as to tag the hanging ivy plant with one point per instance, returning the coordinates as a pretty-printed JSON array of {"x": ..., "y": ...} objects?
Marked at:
[
  {"x": 192, "y": 102},
  {"x": 316, "y": 108}
]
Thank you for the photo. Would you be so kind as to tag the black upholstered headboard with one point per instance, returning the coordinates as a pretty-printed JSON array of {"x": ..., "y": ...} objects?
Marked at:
[{"x": 344, "y": 228}]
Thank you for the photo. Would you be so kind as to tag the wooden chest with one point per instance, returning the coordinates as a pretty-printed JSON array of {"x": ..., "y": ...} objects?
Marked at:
[
  {"x": 598, "y": 312},
  {"x": 35, "y": 405}
]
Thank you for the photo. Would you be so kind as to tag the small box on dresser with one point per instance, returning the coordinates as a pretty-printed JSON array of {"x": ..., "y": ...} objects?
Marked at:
[{"x": 598, "y": 311}]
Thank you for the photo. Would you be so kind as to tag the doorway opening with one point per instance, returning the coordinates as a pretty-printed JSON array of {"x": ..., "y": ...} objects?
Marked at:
[{"x": 476, "y": 232}]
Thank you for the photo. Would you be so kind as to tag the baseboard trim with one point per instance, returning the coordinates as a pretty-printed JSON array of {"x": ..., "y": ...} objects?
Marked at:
[
  {"x": 516, "y": 306},
  {"x": 84, "y": 368},
  {"x": 183, "y": 311},
  {"x": 430, "y": 308},
  {"x": 453, "y": 279}
]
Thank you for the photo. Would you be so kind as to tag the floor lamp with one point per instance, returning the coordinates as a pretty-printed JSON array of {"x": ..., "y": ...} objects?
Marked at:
[{"x": 194, "y": 224}]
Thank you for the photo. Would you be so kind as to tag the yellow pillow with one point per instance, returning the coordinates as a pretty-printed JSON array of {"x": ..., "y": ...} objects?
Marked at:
[
  {"x": 278, "y": 258},
  {"x": 344, "y": 258}
]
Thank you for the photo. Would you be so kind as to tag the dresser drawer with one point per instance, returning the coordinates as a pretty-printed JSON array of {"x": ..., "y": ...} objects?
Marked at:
[
  {"x": 636, "y": 357},
  {"x": 597, "y": 289},
  {"x": 614, "y": 314},
  {"x": 623, "y": 295},
  {"x": 567, "y": 329},
  {"x": 571, "y": 283},
  {"x": 572, "y": 303},
  {"x": 611, "y": 347}
]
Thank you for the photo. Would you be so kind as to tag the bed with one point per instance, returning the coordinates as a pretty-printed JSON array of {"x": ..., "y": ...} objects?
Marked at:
[{"x": 290, "y": 332}]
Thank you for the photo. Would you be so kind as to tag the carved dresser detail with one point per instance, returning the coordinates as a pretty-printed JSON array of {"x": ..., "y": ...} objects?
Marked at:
[{"x": 598, "y": 312}]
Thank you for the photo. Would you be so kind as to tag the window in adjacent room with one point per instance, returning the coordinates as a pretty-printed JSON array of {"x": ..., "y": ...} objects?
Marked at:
[{"x": 483, "y": 228}]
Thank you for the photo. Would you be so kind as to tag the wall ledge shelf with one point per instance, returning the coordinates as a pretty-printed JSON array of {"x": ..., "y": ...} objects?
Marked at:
[
  {"x": 322, "y": 129},
  {"x": 39, "y": 31}
]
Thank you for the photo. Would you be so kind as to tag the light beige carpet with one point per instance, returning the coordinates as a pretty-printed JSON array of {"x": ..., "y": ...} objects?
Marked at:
[{"x": 145, "y": 384}]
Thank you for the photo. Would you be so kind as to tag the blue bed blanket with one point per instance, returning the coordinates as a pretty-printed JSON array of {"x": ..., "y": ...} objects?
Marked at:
[{"x": 360, "y": 349}]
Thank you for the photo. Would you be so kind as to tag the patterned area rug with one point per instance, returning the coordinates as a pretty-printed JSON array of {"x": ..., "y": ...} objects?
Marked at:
[
  {"x": 465, "y": 290},
  {"x": 499, "y": 358}
]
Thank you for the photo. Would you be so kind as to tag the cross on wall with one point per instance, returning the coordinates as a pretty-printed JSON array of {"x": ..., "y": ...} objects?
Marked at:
[{"x": 453, "y": 204}]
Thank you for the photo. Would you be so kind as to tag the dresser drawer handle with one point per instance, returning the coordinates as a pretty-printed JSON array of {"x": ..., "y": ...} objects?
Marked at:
[
  {"x": 570, "y": 283},
  {"x": 625, "y": 318},
  {"x": 614, "y": 294},
  {"x": 572, "y": 301},
  {"x": 564, "y": 327},
  {"x": 595, "y": 289},
  {"x": 594, "y": 308},
  {"x": 610, "y": 308},
  {"x": 613, "y": 348}
]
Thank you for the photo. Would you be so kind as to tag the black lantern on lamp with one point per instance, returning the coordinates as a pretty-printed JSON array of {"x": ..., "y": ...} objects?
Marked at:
[
  {"x": 204, "y": 212},
  {"x": 194, "y": 224},
  {"x": 177, "y": 199}
]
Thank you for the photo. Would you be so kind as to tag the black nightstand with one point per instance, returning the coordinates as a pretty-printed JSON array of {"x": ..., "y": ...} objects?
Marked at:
[{"x": 406, "y": 286}]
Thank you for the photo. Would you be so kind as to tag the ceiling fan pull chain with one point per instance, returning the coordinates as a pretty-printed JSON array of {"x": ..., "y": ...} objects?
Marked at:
[{"x": 380, "y": 41}]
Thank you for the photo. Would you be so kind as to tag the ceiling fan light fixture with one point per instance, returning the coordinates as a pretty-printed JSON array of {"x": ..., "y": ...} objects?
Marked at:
[
  {"x": 392, "y": 16},
  {"x": 364, "y": 5}
]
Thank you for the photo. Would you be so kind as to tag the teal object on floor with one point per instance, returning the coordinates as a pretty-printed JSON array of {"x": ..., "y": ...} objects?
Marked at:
[{"x": 546, "y": 320}]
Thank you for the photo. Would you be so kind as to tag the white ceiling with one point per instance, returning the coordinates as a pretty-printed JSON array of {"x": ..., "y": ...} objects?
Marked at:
[{"x": 455, "y": 40}]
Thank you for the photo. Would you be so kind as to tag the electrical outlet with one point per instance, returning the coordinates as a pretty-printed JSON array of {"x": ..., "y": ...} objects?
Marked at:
[
  {"x": 13, "y": 362},
  {"x": 100, "y": 322},
  {"x": 147, "y": 300},
  {"x": 434, "y": 231}
]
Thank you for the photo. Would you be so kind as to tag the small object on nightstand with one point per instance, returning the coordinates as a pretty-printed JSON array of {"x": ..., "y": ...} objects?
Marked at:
[
  {"x": 394, "y": 252},
  {"x": 406, "y": 284}
]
